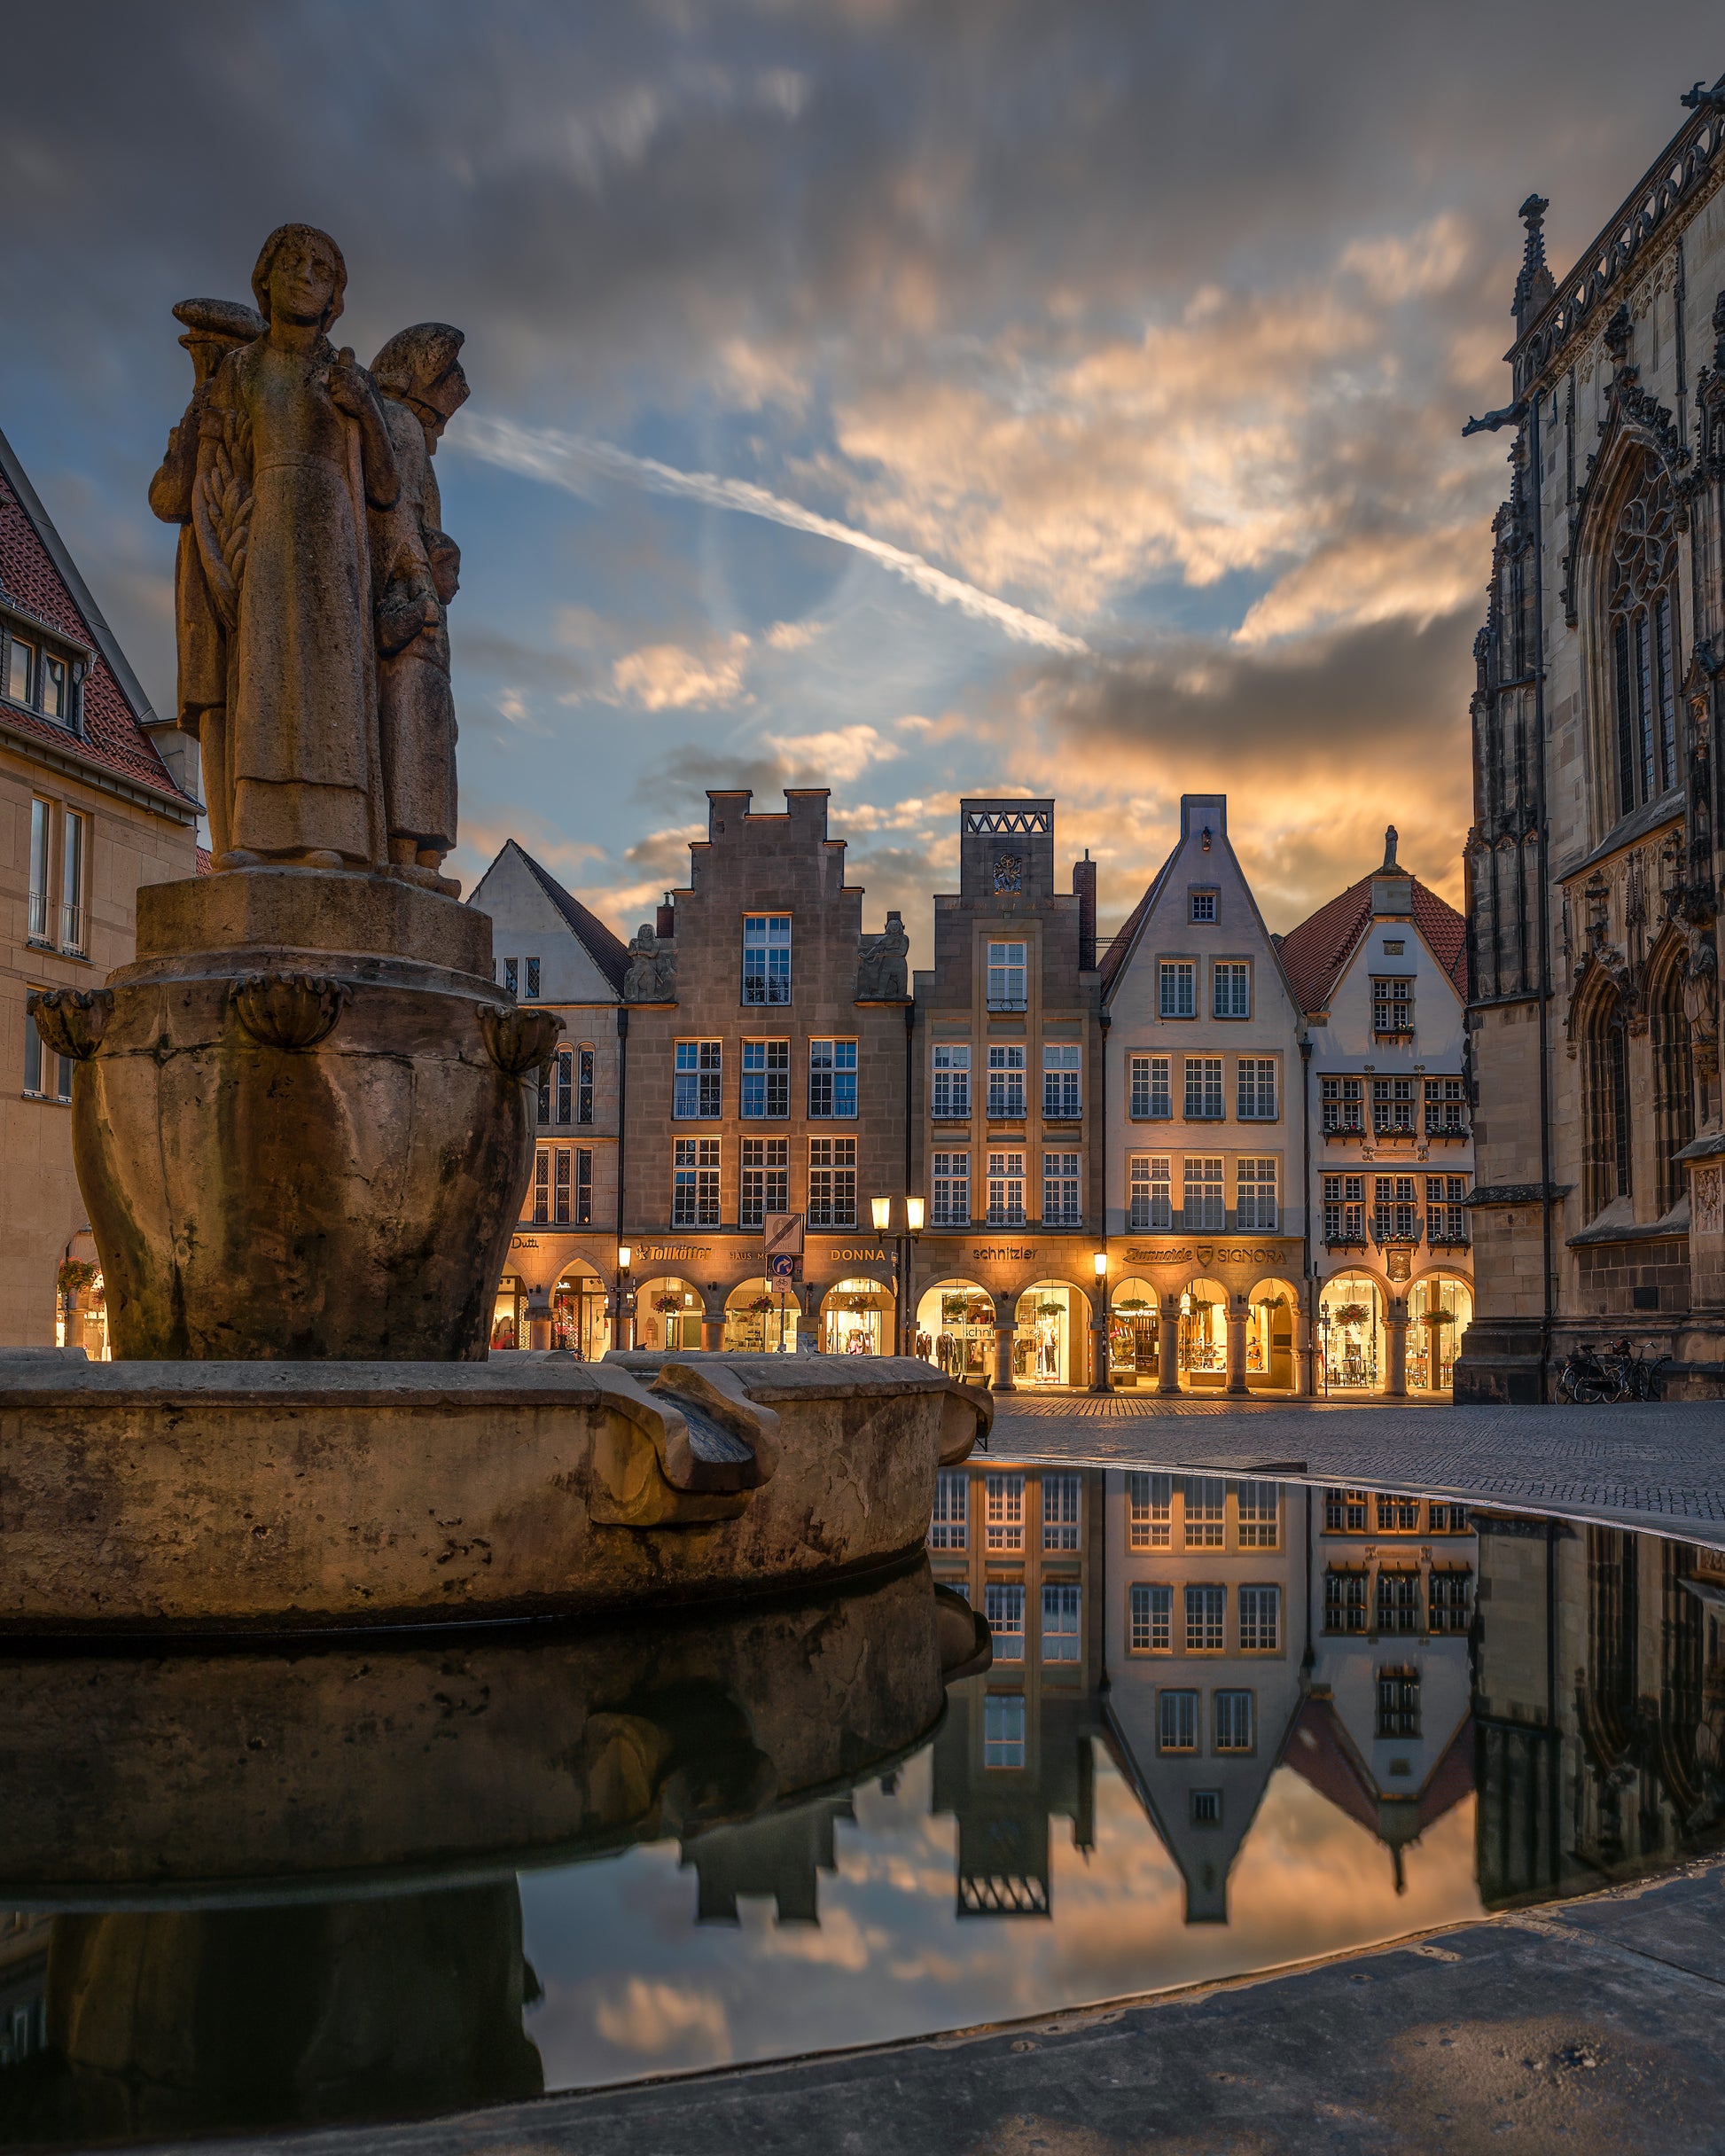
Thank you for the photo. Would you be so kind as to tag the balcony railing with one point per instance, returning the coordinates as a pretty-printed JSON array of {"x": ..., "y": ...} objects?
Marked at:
[
  {"x": 37, "y": 931},
  {"x": 72, "y": 927}
]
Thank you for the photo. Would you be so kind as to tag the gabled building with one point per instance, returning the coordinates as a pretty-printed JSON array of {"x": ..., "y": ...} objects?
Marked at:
[
  {"x": 88, "y": 811},
  {"x": 1380, "y": 974},
  {"x": 1203, "y": 1130},
  {"x": 552, "y": 951}
]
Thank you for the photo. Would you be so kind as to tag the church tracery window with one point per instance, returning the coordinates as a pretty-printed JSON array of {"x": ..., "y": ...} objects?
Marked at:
[{"x": 1641, "y": 585}]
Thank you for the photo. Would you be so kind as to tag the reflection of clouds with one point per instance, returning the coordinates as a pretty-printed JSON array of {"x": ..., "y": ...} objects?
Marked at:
[{"x": 654, "y": 2018}]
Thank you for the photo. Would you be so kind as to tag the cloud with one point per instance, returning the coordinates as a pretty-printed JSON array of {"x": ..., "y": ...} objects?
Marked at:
[
  {"x": 843, "y": 753},
  {"x": 666, "y": 677},
  {"x": 648, "y": 2018}
]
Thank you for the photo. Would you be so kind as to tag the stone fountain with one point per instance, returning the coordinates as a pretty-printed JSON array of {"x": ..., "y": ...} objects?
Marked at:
[{"x": 303, "y": 1124}]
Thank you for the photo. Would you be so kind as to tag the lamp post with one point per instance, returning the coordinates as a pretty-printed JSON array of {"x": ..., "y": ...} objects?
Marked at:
[
  {"x": 623, "y": 1254},
  {"x": 1323, "y": 1344},
  {"x": 1099, "y": 1382},
  {"x": 881, "y": 1211}
]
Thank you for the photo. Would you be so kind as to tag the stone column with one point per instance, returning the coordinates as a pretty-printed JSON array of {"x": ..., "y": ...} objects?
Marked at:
[
  {"x": 1167, "y": 1346},
  {"x": 1236, "y": 1318},
  {"x": 1302, "y": 1355},
  {"x": 712, "y": 1329},
  {"x": 1003, "y": 1381},
  {"x": 1395, "y": 1382},
  {"x": 539, "y": 1317},
  {"x": 1100, "y": 1379}
]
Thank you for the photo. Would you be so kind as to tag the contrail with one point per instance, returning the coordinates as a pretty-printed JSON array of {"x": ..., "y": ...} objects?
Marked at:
[{"x": 564, "y": 460}]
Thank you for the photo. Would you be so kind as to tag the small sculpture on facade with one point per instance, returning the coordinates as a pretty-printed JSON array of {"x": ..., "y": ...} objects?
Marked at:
[
  {"x": 652, "y": 968},
  {"x": 1701, "y": 1001},
  {"x": 883, "y": 973}
]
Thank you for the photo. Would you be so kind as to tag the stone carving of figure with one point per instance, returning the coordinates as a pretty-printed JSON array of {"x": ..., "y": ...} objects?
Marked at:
[
  {"x": 1701, "y": 1001},
  {"x": 653, "y": 969},
  {"x": 415, "y": 567},
  {"x": 214, "y": 329},
  {"x": 294, "y": 446},
  {"x": 883, "y": 974}
]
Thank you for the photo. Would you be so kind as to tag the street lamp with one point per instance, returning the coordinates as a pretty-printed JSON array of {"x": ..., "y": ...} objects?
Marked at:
[
  {"x": 1099, "y": 1383},
  {"x": 881, "y": 1211},
  {"x": 622, "y": 1295}
]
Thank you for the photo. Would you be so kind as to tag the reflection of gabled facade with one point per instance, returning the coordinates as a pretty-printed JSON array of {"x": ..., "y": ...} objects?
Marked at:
[
  {"x": 1023, "y": 1544},
  {"x": 1203, "y": 1646},
  {"x": 781, "y": 1854}
]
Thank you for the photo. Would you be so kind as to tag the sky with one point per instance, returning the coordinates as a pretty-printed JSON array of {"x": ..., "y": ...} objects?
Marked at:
[{"x": 917, "y": 399}]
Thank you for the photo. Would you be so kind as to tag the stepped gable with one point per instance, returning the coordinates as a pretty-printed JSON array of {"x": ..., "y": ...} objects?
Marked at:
[
  {"x": 39, "y": 577},
  {"x": 1315, "y": 954},
  {"x": 606, "y": 950}
]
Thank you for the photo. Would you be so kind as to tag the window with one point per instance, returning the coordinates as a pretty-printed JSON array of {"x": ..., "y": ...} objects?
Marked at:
[
  {"x": 1255, "y": 1092},
  {"x": 1203, "y": 905},
  {"x": 533, "y": 978},
  {"x": 1260, "y": 1620},
  {"x": 832, "y": 1182},
  {"x": 1259, "y": 1511},
  {"x": 1398, "y": 1599},
  {"x": 765, "y": 1078},
  {"x": 1203, "y": 1088},
  {"x": 1176, "y": 1722},
  {"x": 1204, "y": 1209},
  {"x": 1392, "y": 1107},
  {"x": 1006, "y": 1189},
  {"x": 53, "y": 687},
  {"x": 1233, "y": 1722},
  {"x": 42, "y": 1070},
  {"x": 1397, "y": 1515},
  {"x": 1231, "y": 989},
  {"x": 1060, "y": 1504},
  {"x": 1446, "y": 1215},
  {"x": 695, "y": 1183},
  {"x": 1344, "y": 1599},
  {"x": 584, "y": 1095},
  {"x": 1205, "y": 1497},
  {"x": 564, "y": 1076},
  {"x": 1642, "y": 579},
  {"x": 1451, "y": 1601},
  {"x": 1003, "y": 1729},
  {"x": 766, "y": 1180},
  {"x": 832, "y": 1078},
  {"x": 1254, "y": 1190},
  {"x": 1392, "y": 1004},
  {"x": 1150, "y": 1619},
  {"x": 1448, "y": 1518},
  {"x": 21, "y": 671},
  {"x": 73, "y": 832},
  {"x": 1003, "y": 1497},
  {"x": 1206, "y": 1607},
  {"x": 1006, "y": 977},
  {"x": 542, "y": 1184},
  {"x": 1148, "y": 1088},
  {"x": 1150, "y": 1510},
  {"x": 1003, "y": 1605},
  {"x": 1179, "y": 987},
  {"x": 1398, "y": 1703},
  {"x": 950, "y": 1528},
  {"x": 512, "y": 975},
  {"x": 767, "y": 959},
  {"x": 1061, "y": 1098},
  {"x": 561, "y": 1185},
  {"x": 40, "y": 814},
  {"x": 952, "y": 1084},
  {"x": 1060, "y": 1623},
  {"x": 583, "y": 1186},
  {"x": 1344, "y": 1208},
  {"x": 952, "y": 1190},
  {"x": 1343, "y": 1511},
  {"x": 1342, "y": 1100},
  {"x": 1206, "y": 1807},
  {"x": 1061, "y": 1206},
  {"x": 1394, "y": 1211},
  {"x": 1446, "y": 1108},
  {"x": 1006, "y": 1084},
  {"x": 1148, "y": 1198},
  {"x": 695, "y": 1086}
]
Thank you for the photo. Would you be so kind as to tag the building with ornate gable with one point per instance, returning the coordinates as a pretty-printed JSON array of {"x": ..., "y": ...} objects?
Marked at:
[
  {"x": 1594, "y": 863},
  {"x": 90, "y": 809}
]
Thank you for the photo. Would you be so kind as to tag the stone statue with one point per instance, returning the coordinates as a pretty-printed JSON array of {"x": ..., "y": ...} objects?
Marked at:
[
  {"x": 415, "y": 567},
  {"x": 883, "y": 972},
  {"x": 653, "y": 969},
  {"x": 1701, "y": 1001},
  {"x": 293, "y": 447},
  {"x": 214, "y": 329}
]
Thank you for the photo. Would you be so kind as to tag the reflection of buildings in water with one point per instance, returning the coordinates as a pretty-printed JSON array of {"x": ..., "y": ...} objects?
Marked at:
[
  {"x": 23, "y": 1984},
  {"x": 1601, "y": 1702},
  {"x": 780, "y": 1855}
]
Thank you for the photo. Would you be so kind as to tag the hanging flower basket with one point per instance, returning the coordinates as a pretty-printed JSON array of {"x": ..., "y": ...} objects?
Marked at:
[
  {"x": 76, "y": 1273},
  {"x": 1352, "y": 1313},
  {"x": 759, "y": 1307},
  {"x": 1439, "y": 1317},
  {"x": 1132, "y": 1302},
  {"x": 1050, "y": 1310},
  {"x": 666, "y": 1304}
]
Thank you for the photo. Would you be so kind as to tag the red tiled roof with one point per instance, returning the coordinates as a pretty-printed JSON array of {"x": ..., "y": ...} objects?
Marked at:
[
  {"x": 31, "y": 581},
  {"x": 205, "y": 861},
  {"x": 1314, "y": 954}
]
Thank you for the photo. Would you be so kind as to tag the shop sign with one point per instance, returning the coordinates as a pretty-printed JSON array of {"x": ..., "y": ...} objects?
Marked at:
[
  {"x": 1004, "y": 1254},
  {"x": 857, "y": 1256},
  {"x": 673, "y": 1253},
  {"x": 1212, "y": 1254},
  {"x": 524, "y": 1242}
]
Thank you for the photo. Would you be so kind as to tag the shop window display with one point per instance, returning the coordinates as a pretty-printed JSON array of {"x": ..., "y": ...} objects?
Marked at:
[
  {"x": 580, "y": 1316},
  {"x": 1203, "y": 1333},
  {"x": 667, "y": 1314},
  {"x": 1133, "y": 1329},
  {"x": 855, "y": 1319},
  {"x": 759, "y": 1321},
  {"x": 1439, "y": 1312},
  {"x": 956, "y": 1331},
  {"x": 1045, "y": 1345},
  {"x": 1351, "y": 1334}
]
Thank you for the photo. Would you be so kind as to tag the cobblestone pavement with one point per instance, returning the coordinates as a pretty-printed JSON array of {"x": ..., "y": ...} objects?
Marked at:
[{"x": 1659, "y": 1466}]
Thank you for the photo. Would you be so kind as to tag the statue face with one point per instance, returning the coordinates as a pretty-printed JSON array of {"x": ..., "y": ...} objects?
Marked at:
[{"x": 303, "y": 280}]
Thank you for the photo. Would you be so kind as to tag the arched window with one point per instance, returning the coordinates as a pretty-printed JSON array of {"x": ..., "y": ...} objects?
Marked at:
[
  {"x": 1607, "y": 1105},
  {"x": 1642, "y": 626},
  {"x": 1673, "y": 1078}
]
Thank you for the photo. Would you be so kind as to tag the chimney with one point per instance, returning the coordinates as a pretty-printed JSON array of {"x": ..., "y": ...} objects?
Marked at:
[
  {"x": 1084, "y": 889},
  {"x": 667, "y": 925}
]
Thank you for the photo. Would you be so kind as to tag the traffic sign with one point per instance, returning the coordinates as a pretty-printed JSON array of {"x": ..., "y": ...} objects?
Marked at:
[
  {"x": 781, "y": 1266},
  {"x": 783, "y": 1235}
]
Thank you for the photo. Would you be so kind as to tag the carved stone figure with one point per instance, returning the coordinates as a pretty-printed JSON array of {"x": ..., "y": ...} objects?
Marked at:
[
  {"x": 883, "y": 973},
  {"x": 652, "y": 970},
  {"x": 214, "y": 329},
  {"x": 1701, "y": 1001},
  {"x": 294, "y": 446},
  {"x": 417, "y": 567}
]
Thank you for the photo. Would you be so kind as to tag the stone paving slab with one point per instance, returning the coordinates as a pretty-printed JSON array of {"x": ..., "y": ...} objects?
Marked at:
[
  {"x": 1658, "y": 1465},
  {"x": 1596, "y": 2027}
]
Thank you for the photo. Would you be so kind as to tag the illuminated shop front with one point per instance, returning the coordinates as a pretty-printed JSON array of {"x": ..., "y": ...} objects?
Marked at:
[
  {"x": 1270, "y": 1335},
  {"x": 1439, "y": 1310},
  {"x": 509, "y": 1314},
  {"x": 856, "y": 1318},
  {"x": 1351, "y": 1334},
  {"x": 1204, "y": 1333},
  {"x": 1135, "y": 1324},
  {"x": 758, "y": 1320},
  {"x": 581, "y": 1314},
  {"x": 667, "y": 1314},
  {"x": 1047, "y": 1341},
  {"x": 956, "y": 1331}
]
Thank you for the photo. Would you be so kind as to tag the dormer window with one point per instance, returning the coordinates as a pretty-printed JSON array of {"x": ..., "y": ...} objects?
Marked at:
[{"x": 39, "y": 673}]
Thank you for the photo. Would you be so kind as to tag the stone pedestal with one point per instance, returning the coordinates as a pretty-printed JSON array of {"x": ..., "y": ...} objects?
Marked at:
[
  {"x": 1167, "y": 1346},
  {"x": 1236, "y": 1318},
  {"x": 302, "y": 1120}
]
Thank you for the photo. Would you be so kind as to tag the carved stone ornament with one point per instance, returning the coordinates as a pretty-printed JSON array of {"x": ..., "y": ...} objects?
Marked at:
[
  {"x": 519, "y": 1041},
  {"x": 293, "y": 1012},
  {"x": 70, "y": 1021}
]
